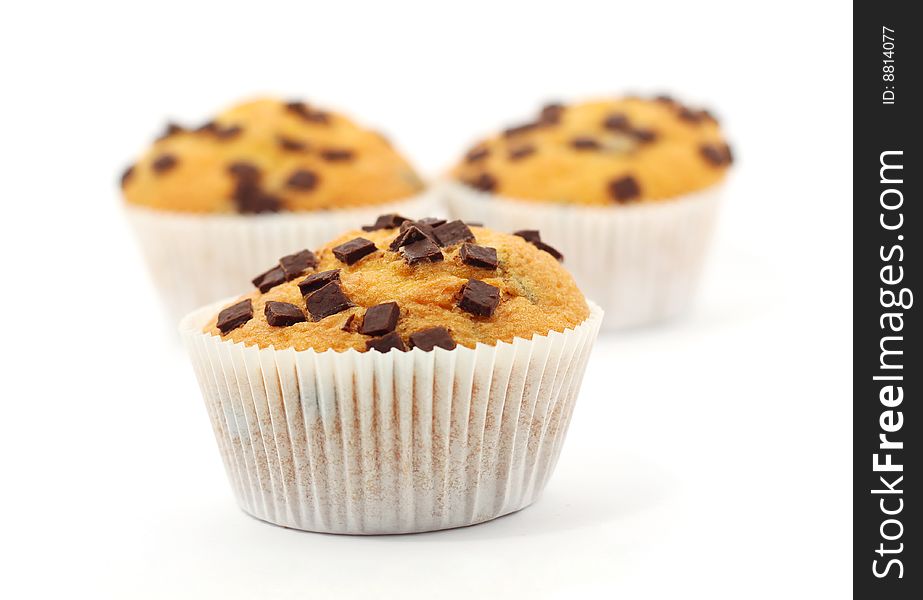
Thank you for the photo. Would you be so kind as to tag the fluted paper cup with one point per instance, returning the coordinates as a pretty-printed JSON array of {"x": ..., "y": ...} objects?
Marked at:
[
  {"x": 641, "y": 262},
  {"x": 196, "y": 259},
  {"x": 371, "y": 443}
]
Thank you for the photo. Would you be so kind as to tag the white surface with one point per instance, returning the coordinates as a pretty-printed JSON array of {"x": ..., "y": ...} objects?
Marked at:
[{"x": 709, "y": 458}]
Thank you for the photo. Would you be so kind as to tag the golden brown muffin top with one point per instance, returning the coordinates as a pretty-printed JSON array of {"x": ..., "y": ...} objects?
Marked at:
[
  {"x": 269, "y": 156},
  {"x": 404, "y": 284},
  {"x": 602, "y": 153}
]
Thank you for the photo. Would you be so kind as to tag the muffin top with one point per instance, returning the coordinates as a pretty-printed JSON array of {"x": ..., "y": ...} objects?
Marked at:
[
  {"x": 400, "y": 284},
  {"x": 269, "y": 156},
  {"x": 602, "y": 153}
]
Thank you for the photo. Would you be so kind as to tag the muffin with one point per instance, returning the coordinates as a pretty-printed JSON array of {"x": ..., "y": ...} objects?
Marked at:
[
  {"x": 627, "y": 190},
  {"x": 409, "y": 376},
  {"x": 212, "y": 202}
]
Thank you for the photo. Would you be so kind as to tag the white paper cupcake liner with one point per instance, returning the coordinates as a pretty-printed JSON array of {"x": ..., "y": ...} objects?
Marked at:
[
  {"x": 197, "y": 259},
  {"x": 641, "y": 262},
  {"x": 370, "y": 443}
]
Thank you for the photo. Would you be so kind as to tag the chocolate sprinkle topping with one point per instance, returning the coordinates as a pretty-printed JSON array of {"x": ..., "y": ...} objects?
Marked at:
[
  {"x": 616, "y": 122},
  {"x": 302, "y": 179},
  {"x": 380, "y": 319},
  {"x": 337, "y": 154},
  {"x": 484, "y": 182},
  {"x": 328, "y": 300},
  {"x": 625, "y": 188},
  {"x": 318, "y": 280},
  {"x": 353, "y": 250},
  {"x": 270, "y": 279},
  {"x": 479, "y": 298},
  {"x": 584, "y": 143},
  {"x": 427, "y": 339},
  {"x": 389, "y": 221},
  {"x": 295, "y": 264},
  {"x": 420, "y": 251},
  {"x": 482, "y": 257},
  {"x": 477, "y": 153},
  {"x": 521, "y": 152},
  {"x": 164, "y": 163},
  {"x": 453, "y": 232},
  {"x": 386, "y": 343},
  {"x": 283, "y": 314},
  {"x": 234, "y": 316}
]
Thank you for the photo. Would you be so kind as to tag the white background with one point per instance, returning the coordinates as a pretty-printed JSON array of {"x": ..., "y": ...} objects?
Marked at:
[{"x": 709, "y": 458}]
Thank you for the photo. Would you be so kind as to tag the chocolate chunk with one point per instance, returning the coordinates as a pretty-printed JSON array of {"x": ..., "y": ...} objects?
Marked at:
[
  {"x": 477, "y": 153},
  {"x": 478, "y": 256},
  {"x": 624, "y": 189},
  {"x": 302, "y": 179},
  {"x": 616, "y": 122},
  {"x": 664, "y": 98},
  {"x": 707, "y": 116},
  {"x": 385, "y": 343},
  {"x": 427, "y": 339},
  {"x": 411, "y": 231},
  {"x": 290, "y": 144},
  {"x": 532, "y": 236},
  {"x": 283, "y": 314},
  {"x": 521, "y": 152},
  {"x": 295, "y": 264},
  {"x": 227, "y": 133},
  {"x": 207, "y": 127},
  {"x": 126, "y": 174},
  {"x": 354, "y": 249},
  {"x": 432, "y": 221},
  {"x": 270, "y": 279},
  {"x": 643, "y": 135},
  {"x": 249, "y": 198},
  {"x": 689, "y": 116},
  {"x": 349, "y": 324},
  {"x": 307, "y": 113},
  {"x": 318, "y": 280},
  {"x": 728, "y": 155},
  {"x": 337, "y": 154},
  {"x": 389, "y": 221},
  {"x": 170, "y": 130},
  {"x": 420, "y": 251},
  {"x": 453, "y": 232},
  {"x": 164, "y": 163},
  {"x": 584, "y": 143},
  {"x": 328, "y": 300},
  {"x": 717, "y": 155},
  {"x": 519, "y": 129},
  {"x": 244, "y": 171},
  {"x": 380, "y": 319},
  {"x": 234, "y": 316},
  {"x": 484, "y": 182},
  {"x": 479, "y": 298},
  {"x": 551, "y": 113}
]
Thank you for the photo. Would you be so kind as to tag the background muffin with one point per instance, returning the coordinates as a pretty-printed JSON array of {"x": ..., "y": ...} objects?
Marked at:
[
  {"x": 417, "y": 375},
  {"x": 626, "y": 189},
  {"x": 212, "y": 202}
]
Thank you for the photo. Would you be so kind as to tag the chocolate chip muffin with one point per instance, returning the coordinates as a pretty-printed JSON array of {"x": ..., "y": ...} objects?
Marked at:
[
  {"x": 602, "y": 153},
  {"x": 628, "y": 189},
  {"x": 269, "y": 156},
  {"x": 401, "y": 284}
]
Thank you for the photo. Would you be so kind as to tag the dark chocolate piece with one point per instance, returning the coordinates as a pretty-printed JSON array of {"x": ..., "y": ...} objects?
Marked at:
[
  {"x": 283, "y": 314},
  {"x": 307, "y": 113},
  {"x": 550, "y": 250},
  {"x": 290, "y": 144},
  {"x": 521, "y": 152},
  {"x": 296, "y": 264},
  {"x": 380, "y": 319},
  {"x": 353, "y": 250},
  {"x": 424, "y": 250},
  {"x": 518, "y": 129},
  {"x": 479, "y": 298},
  {"x": 170, "y": 130},
  {"x": 385, "y": 343},
  {"x": 249, "y": 198},
  {"x": 389, "y": 221},
  {"x": 432, "y": 221},
  {"x": 551, "y": 113},
  {"x": 484, "y": 182},
  {"x": 244, "y": 171},
  {"x": 717, "y": 155},
  {"x": 643, "y": 135},
  {"x": 164, "y": 163},
  {"x": 584, "y": 143},
  {"x": 337, "y": 154},
  {"x": 624, "y": 189},
  {"x": 616, "y": 122},
  {"x": 302, "y": 179},
  {"x": 328, "y": 300},
  {"x": 482, "y": 257},
  {"x": 427, "y": 339},
  {"x": 126, "y": 174},
  {"x": 665, "y": 98},
  {"x": 270, "y": 279},
  {"x": 411, "y": 231},
  {"x": 532, "y": 236},
  {"x": 453, "y": 232},
  {"x": 316, "y": 281},
  {"x": 234, "y": 316},
  {"x": 477, "y": 153},
  {"x": 690, "y": 116},
  {"x": 227, "y": 133},
  {"x": 206, "y": 127}
]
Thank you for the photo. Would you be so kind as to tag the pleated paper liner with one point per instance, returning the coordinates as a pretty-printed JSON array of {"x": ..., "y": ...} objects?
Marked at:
[
  {"x": 371, "y": 443},
  {"x": 197, "y": 259},
  {"x": 641, "y": 262}
]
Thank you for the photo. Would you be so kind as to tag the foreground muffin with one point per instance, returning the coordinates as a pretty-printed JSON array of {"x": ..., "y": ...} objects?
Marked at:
[
  {"x": 412, "y": 376},
  {"x": 627, "y": 189},
  {"x": 262, "y": 175}
]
